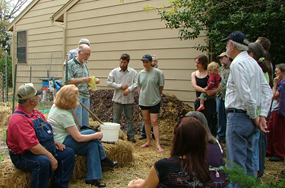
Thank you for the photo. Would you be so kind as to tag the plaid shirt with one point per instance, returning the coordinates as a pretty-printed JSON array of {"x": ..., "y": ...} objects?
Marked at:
[
  {"x": 224, "y": 73},
  {"x": 78, "y": 70}
]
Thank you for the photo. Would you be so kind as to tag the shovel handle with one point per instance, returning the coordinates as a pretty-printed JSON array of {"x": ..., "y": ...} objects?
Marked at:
[
  {"x": 91, "y": 112},
  {"x": 75, "y": 118}
]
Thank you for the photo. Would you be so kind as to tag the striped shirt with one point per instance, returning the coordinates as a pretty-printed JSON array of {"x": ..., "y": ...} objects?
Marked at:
[
  {"x": 247, "y": 88},
  {"x": 78, "y": 70}
]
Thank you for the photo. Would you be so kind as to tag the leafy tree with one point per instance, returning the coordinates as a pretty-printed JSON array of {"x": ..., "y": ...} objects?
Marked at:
[{"x": 217, "y": 19}]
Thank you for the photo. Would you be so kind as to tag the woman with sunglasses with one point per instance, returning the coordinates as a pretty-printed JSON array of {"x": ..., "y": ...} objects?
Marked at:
[{"x": 187, "y": 166}]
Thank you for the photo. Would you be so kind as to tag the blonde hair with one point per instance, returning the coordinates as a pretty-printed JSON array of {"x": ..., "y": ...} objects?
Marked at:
[
  {"x": 214, "y": 66},
  {"x": 67, "y": 97}
]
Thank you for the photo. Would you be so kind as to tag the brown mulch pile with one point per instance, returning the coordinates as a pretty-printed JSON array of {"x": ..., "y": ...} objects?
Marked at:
[{"x": 171, "y": 108}]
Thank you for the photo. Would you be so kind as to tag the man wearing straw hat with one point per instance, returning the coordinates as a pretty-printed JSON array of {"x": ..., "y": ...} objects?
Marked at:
[{"x": 31, "y": 143}]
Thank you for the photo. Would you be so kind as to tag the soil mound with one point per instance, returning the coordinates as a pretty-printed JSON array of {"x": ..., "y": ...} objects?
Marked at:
[{"x": 171, "y": 108}]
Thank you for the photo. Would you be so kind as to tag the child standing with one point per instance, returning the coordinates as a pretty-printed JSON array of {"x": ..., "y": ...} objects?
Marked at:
[{"x": 213, "y": 83}]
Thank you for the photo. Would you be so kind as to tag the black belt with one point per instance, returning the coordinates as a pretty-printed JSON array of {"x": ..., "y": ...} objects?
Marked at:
[{"x": 234, "y": 110}]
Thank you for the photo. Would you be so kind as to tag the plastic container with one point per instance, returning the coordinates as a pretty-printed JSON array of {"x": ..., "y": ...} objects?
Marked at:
[{"x": 110, "y": 131}]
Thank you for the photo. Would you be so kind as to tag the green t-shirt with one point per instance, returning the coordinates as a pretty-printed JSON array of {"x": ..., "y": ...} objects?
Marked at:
[
  {"x": 149, "y": 83},
  {"x": 267, "y": 79},
  {"x": 60, "y": 119}
]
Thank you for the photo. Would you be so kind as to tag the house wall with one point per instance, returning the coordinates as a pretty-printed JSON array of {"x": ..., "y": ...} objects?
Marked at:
[
  {"x": 114, "y": 28},
  {"x": 44, "y": 44}
]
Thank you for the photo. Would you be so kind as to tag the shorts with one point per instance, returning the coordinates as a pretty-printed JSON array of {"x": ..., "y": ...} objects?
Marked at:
[{"x": 152, "y": 109}]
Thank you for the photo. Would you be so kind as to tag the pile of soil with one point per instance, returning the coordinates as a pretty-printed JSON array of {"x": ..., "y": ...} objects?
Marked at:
[{"x": 171, "y": 108}]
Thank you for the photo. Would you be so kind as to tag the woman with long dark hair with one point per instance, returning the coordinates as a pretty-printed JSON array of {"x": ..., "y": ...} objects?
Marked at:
[
  {"x": 187, "y": 166},
  {"x": 199, "y": 80}
]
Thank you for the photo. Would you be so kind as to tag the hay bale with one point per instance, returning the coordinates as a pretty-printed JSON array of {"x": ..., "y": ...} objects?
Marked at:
[
  {"x": 121, "y": 151},
  {"x": 5, "y": 114},
  {"x": 11, "y": 177}
]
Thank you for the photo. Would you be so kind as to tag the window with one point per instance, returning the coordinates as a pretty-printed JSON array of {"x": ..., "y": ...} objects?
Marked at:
[{"x": 22, "y": 46}]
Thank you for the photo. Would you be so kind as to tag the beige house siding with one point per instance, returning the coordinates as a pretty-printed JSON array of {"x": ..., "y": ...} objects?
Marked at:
[
  {"x": 114, "y": 28},
  {"x": 44, "y": 43}
]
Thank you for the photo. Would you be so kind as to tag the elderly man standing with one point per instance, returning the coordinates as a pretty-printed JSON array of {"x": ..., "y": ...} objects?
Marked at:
[
  {"x": 78, "y": 74},
  {"x": 31, "y": 144},
  {"x": 247, "y": 91},
  {"x": 73, "y": 53},
  {"x": 154, "y": 64},
  {"x": 222, "y": 116},
  {"x": 124, "y": 80}
]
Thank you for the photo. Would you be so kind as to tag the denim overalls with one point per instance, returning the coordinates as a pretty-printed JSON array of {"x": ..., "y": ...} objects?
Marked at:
[
  {"x": 44, "y": 133},
  {"x": 40, "y": 165}
]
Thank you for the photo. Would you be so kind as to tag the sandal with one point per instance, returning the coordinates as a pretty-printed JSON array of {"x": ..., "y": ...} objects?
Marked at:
[
  {"x": 159, "y": 149},
  {"x": 145, "y": 145}
]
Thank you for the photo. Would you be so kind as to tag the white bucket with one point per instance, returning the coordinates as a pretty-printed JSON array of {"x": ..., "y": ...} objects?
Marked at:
[{"x": 110, "y": 131}]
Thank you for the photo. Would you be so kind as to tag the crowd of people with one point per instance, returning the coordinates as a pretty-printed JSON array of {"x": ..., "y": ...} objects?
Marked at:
[{"x": 233, "y": 105}]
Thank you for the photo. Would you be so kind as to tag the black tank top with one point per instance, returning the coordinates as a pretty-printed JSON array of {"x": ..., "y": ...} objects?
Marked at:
[{"x": 202, "y": 82}]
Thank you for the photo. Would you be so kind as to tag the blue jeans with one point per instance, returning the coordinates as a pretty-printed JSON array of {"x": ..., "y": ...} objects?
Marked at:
[
  {"x": 222, "y": 119},
  {"x": 240, "y": 141},
  {"x": 129, "y": 112},
  {"x": 94, "y": 152},
  {"x": 256, "y": 151},
  {"x": 81, "y": 113},
  {"x": 41, "y": 169}
]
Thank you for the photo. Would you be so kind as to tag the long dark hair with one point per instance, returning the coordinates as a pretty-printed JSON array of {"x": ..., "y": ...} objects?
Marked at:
[
  {"x": 190, "y": 141},
  {"x": 259, "y": 55}
]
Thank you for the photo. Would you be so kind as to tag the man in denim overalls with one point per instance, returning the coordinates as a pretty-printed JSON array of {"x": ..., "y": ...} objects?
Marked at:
[{"x": 31, "y": 144}]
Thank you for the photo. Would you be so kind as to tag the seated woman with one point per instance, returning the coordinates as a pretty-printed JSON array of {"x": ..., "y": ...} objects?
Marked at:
[
  {"x": 187, "y": 166},
  {"x": 86, "y": 142},
  {"x": 214, "y": 155}
]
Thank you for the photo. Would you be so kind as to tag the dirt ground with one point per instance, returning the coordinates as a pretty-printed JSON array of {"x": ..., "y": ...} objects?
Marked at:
[{"x": 144, "y": 158}]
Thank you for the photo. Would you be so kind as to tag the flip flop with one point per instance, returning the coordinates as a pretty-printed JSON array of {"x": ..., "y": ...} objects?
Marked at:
[
  {"x": 159, "y": 149},
  {"x": 145, "y": 145}
]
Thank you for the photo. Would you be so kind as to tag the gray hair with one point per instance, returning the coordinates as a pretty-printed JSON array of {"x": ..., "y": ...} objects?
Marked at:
[
  {"x": 239, "y": 46},
  {"x": 203, "y": 120},
  {"x": 22, "y": 101}
]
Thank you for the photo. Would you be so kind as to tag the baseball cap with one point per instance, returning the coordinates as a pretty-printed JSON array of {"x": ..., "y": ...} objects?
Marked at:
[
  {"x": 27, "y": 91},
  {"x": 238, "y": 37},
  {"x": 222, "y": 55},
  {"x": 146, "y": 57},
  {"x": 84, "y": 41}
]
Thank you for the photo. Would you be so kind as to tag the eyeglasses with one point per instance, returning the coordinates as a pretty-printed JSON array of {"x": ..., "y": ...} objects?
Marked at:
[{"x": 86, "y": 54}]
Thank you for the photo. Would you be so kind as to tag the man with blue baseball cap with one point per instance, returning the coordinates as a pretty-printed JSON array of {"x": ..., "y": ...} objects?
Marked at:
[{"x": 247, "y": 91}]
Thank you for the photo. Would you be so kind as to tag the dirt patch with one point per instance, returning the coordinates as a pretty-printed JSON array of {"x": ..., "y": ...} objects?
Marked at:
[{"x": 171, "y": 108}]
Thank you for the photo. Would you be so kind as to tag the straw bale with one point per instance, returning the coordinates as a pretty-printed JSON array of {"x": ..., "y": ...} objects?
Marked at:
[
  {"x": 5, "y": 114},
  {"x": 121, "y": 151},
  {"x": 11, "y": 177}
]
